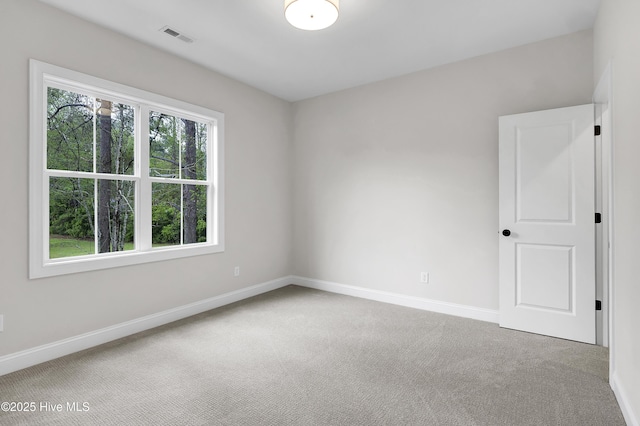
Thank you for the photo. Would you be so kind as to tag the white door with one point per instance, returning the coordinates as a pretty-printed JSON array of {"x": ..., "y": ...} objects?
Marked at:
[{"x": 547, "y": 225}]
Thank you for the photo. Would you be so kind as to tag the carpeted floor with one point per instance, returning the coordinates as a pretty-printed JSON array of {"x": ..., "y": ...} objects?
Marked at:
[{"x": 297, "y": 356}]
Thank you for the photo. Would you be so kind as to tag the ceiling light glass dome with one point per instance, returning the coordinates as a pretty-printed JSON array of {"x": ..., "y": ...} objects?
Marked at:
[{"x": 311, "y": 14}]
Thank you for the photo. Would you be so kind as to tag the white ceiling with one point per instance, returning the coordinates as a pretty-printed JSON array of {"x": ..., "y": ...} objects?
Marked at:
[{"x": 249, "y": 40}]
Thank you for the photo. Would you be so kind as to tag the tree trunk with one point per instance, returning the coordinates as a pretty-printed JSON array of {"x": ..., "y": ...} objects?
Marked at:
[
  {"x": 118, "y": 222},
  {"x": 104, "y": 186},
  {"x": 189, "y": 194}
]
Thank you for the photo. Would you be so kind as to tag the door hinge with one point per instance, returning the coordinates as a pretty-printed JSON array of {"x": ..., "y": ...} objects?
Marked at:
[
  {"x": 598, "y": 217},
  {"x": 597, "y": 130},
  {"x": 598, "y": 305}
]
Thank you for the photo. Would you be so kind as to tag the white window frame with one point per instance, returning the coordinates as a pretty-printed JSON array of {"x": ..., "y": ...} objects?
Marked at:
[{"x": 42, "y": 76}]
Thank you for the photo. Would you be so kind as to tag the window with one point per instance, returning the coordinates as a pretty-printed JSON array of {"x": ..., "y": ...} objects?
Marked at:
[{"x": 118, "y": 176}]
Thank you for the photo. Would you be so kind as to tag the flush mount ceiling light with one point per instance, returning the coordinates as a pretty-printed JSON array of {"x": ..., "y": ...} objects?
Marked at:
[{"x": 311, "y": 14}]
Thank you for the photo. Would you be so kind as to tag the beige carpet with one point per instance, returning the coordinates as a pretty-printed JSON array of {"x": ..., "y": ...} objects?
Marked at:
[{"x": 303, "y": 357}]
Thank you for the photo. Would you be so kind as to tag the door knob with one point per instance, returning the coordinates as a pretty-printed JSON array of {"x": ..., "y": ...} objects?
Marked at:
[{"x": 506, "y": 232}]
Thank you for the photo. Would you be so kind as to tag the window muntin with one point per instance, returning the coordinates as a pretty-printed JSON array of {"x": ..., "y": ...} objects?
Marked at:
[{"x": 99, "y": 196}]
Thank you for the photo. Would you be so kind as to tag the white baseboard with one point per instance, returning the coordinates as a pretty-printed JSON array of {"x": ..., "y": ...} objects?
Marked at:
[
  {"x": 465, "y": 311},
  {"x": 27, "y": 358},
  {"x": 623, "y": 401}
]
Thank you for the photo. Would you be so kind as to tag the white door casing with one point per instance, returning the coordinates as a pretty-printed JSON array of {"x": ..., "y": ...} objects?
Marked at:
[{"x": 547, "y": 204}]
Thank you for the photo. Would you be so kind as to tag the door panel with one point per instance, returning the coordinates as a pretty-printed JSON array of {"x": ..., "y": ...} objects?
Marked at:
[
  {"x": 545, "y": 277},
  {"x": 547, "y": 262},
  {"x": 544, "y": 190}
]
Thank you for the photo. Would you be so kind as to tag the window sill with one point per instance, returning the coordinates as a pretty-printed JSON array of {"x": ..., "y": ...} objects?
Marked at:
[{"x": 73, "y": 265}]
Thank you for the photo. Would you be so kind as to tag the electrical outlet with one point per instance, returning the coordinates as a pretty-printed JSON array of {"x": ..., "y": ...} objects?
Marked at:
[
  {"x": 424, "y": 277},
  {"x": 236, "y": 271},
  {"x": 1, "y": 322}
]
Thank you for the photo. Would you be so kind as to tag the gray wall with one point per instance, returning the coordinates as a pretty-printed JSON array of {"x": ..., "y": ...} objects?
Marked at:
[
  {"x": 401, "y": 176},
  {"x": 258, "y": 189},
  {"x": 617, "y": 38}
]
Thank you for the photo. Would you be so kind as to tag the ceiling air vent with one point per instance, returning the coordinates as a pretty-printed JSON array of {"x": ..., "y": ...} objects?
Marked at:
[{"x": 176, "y": 34}]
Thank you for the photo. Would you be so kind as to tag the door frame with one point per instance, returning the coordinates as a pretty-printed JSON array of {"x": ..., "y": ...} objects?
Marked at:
[{"x": 603, "y": 99}]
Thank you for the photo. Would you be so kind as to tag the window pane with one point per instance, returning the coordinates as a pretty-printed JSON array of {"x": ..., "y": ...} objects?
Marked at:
[
  {"x": 71, "y": 136},
  {"x": 71, "y": 217},
  {"x": 115, "y": 215},
  {"x": 179, "y": 211},
  {"x": 178, "y": 147},
  {"x": 166, "y": 216},
  {"x": 195, "y": 214},
  {"x": 69, "y": 131},
  {"x": 114, "y": 137},
  {"x": 193, "y": 150},
  {"x": 164, "y": 134}
]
